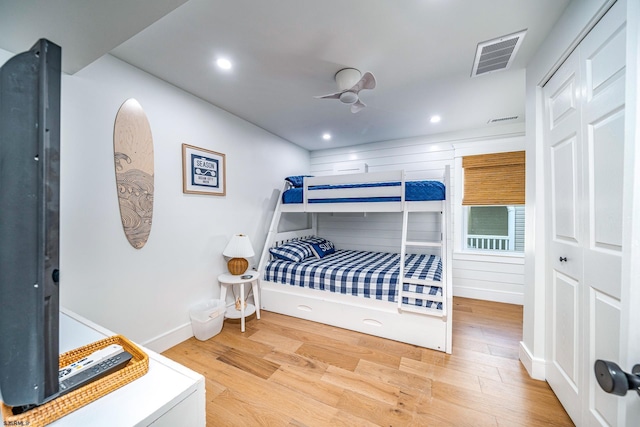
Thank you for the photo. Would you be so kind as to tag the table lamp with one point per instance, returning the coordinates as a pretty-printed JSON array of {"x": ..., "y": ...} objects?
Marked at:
[{"x": 238, "y": 249}]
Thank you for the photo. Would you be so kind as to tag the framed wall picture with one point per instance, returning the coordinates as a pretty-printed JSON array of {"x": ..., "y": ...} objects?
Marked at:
[{"x": 203, "y": 171}]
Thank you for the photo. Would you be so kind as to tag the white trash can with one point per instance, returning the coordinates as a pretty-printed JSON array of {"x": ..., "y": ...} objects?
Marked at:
[{"x": 207, "y": 318}]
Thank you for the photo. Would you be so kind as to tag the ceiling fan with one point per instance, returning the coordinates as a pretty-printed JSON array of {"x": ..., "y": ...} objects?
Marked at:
[{"x": 350, "y": 83}]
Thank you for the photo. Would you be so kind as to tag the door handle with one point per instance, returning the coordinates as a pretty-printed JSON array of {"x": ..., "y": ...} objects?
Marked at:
[
  {"x": 563, "y": 259},
  {"x": 614, "y": 380}
]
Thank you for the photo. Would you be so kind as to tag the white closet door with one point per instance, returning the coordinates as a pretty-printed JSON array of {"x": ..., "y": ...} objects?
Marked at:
[
  {"x": 603, "y": 68},
  {"x": 564, "y": 185},
  {"x": 584, "y": 143}
]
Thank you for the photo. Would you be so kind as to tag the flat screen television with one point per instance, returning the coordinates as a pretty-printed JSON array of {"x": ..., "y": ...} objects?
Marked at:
[{"x": 29, "y": 225}]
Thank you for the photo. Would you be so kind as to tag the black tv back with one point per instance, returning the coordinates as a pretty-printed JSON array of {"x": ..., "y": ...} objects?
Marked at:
[{"x": 29, "y": 225}]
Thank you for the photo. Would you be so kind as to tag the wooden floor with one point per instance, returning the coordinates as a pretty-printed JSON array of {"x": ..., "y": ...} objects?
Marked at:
[{"x": 288, "y": 372}]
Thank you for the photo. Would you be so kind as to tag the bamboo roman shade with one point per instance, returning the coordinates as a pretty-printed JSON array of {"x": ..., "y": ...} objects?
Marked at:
[{"x": 494, "y": 179}]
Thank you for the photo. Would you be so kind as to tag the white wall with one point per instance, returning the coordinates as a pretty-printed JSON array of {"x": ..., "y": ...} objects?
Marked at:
[
  {"x": 494, "y": 277},
  {"x": 4, "y": 55},
  {"x": 146, "y": 294},
  {"x": 379, "y": 231},
  {"x": 490, "y": 277}
]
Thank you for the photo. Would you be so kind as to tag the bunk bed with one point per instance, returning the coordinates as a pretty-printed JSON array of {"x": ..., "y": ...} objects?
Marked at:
[{"x": 305, "y": 276}]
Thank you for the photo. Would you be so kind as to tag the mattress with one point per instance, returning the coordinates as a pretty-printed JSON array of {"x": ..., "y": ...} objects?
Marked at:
[
  {"x": 362, "y": 274},
  {"x": 414, "y": 191}
]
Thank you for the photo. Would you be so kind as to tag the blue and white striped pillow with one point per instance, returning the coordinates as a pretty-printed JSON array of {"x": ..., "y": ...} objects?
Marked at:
[{"x": 296, "y": 251}]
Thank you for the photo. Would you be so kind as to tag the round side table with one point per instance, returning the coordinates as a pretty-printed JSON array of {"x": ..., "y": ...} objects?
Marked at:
[{"x": 250, "y": 276}]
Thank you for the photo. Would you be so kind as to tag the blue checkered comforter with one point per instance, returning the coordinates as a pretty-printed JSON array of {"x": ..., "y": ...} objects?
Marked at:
[{"x": 358, "y": 273}]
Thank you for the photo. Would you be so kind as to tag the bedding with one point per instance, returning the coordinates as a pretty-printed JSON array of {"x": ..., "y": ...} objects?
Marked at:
[
  {"x": 414, "y": 191},
  {"x": 297, "y": 180},
  {"x": 300, "y": 249},
  {"x": 360, "y": 273},
  {"x": 321, "y": 250},
  {"x": 294, "y": 251}
]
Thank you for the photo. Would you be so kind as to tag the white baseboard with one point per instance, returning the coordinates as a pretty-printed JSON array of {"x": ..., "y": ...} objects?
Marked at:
[
  {"x": 169, "y": 339},
  {"x": 489, "y": 295},
  {"x": 534, "y": 365}
]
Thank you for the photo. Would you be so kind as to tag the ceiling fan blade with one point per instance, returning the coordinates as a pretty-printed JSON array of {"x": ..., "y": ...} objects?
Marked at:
[
  {"x": 330, "y": 96},
  {"x": 357, "y": 106},
  {"x": 368, "y": 81}
]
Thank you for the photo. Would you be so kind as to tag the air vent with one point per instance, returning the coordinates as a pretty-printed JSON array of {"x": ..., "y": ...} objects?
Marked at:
[
  {"x": 502, "y": 119},
  {"x": 495, "y": 55}
]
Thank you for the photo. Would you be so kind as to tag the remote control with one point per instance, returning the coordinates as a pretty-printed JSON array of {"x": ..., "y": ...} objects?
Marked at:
[
  {"x": 82, "y": 378},
  {"x": 88, "y": 361},
  {"x": 97, "y": 371}
]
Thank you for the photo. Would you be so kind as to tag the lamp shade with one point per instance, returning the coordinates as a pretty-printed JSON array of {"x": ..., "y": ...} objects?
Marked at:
[{"x": 239, "y": 247}]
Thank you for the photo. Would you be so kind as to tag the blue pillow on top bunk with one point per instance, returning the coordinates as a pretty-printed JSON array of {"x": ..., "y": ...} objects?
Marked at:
[
  {"x": 295, "y": 251},
  {"x": 320, "y": 250},
  {"x": 297, "y": 180}
]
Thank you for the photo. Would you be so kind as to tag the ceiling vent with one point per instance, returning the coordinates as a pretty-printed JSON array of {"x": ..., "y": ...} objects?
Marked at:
[
  {"x": 497, "y": 54},
  {"x": 502, "y": 119}
]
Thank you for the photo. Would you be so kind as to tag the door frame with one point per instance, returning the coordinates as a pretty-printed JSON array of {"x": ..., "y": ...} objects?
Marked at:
[
  {"x": 579, "y": 18},
  {"x": 630, "y": 347}
]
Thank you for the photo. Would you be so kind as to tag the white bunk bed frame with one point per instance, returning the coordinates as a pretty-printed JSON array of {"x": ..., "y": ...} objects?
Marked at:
[{"x": 425, "y": 327}]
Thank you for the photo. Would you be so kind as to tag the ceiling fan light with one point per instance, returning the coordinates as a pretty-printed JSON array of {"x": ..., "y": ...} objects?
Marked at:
[
  {"x": 347, "y": 77},
  {"x": 348, "y": 98},
  {"x": 224, "y": 63}
]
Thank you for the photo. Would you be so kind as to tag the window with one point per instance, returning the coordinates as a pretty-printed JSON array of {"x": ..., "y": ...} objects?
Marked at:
[
  {"x": 494, "y": 228},
  {"x": 493, "y": 202}
]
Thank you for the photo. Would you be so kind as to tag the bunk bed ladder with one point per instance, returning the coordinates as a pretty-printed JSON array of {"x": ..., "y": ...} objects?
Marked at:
[{"x": 408, "y": 294}]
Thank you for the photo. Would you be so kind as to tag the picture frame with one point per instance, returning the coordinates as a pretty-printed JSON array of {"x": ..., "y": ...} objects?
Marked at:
[{"x": 203, "y": 171}]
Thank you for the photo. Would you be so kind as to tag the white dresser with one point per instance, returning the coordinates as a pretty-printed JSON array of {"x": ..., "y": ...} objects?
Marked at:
[{"x": 168, "y": 395}]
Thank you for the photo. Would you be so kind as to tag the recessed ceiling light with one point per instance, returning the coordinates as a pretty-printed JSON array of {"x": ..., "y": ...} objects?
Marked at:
[
  {"x": 326, "y": 136},
  {"x": 224, "y": 63},
  {"x": 435, "y": 119}
]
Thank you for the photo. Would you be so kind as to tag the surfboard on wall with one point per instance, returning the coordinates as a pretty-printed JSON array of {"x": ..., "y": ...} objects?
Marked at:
[{"x": 133, "y": 156}]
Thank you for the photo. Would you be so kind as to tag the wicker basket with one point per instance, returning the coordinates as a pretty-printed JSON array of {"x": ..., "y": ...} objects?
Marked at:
[{"x": 58, "y": 408}]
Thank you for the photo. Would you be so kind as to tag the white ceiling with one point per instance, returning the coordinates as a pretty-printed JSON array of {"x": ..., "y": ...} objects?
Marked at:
[{"x": 286, "y": 51}]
